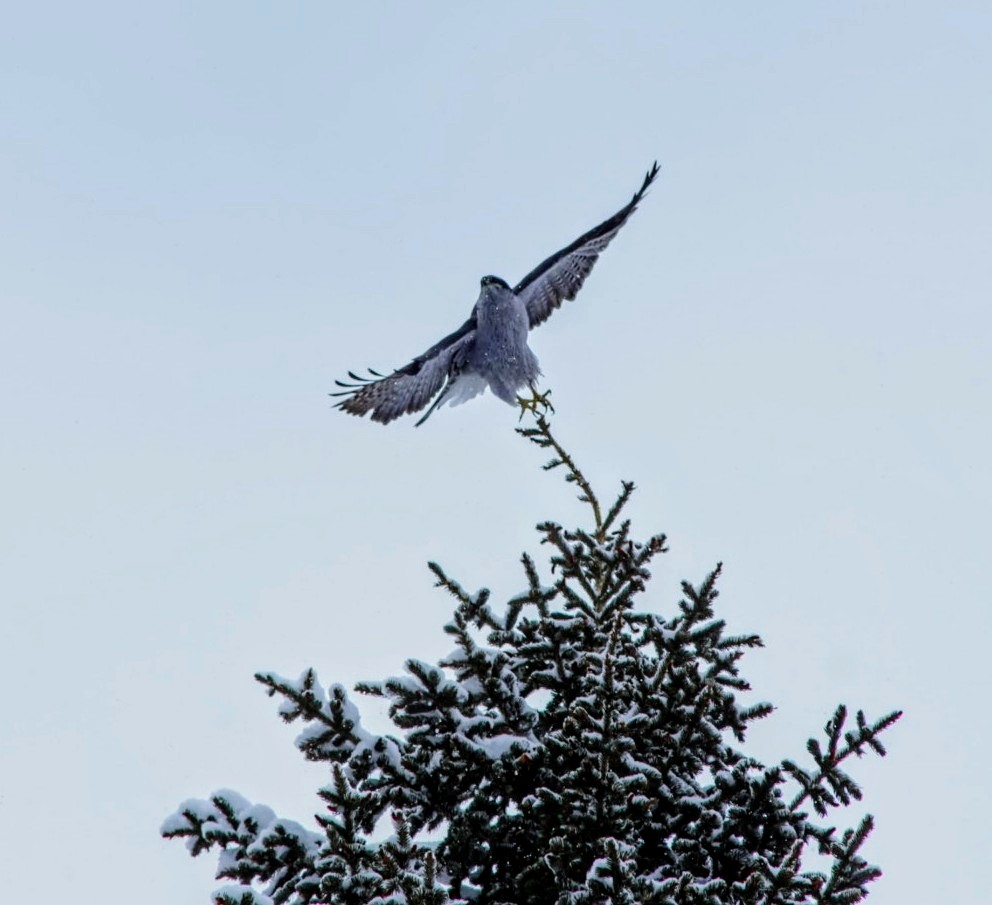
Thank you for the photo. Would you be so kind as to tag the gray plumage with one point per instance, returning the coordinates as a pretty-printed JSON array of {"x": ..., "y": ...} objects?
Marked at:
[{"x": 490, "y": 349}]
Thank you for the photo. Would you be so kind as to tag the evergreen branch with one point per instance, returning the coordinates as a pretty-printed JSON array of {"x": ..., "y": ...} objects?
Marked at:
[
  {"x": 535, "y": 594},
  {"x": 352, "y": 812},
  {"x": 570, "y": 560},
  {"x": 646, "y": 552},
  {"x": 307, "y": 705},
  {"x": 609, "y": 564},
  {"x": 699, "y": 602},
  {"x": 475, "y": 607},
  {"x": 850, "y": 873},
  {"x": 255, "y": 845},
  {"x": 240, "y": 895},
  {"x": 868, "y": 735},
  {"x": 782, "y": 879},
  {"x": 542, "y": 437},
  {"x": 619, "y": 567},
  {"x": 626, "y": 490},
  {"x": 841, "y": 784},
  {"x": 576, "y": 602},
  {"x": 334, "y": 732}
]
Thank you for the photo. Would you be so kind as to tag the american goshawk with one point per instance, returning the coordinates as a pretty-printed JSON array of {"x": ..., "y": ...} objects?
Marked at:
[{"x": 490, "y": 349}]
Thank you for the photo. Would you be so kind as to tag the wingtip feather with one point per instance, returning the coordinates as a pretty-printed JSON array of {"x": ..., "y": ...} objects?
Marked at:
[{"x": 649, "y": 177}]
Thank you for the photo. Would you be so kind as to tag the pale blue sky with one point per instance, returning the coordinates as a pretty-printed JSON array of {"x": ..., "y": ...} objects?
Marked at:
[{"x": 208, "y": 212}]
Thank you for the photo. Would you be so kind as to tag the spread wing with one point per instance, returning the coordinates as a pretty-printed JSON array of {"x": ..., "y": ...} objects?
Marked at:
[
  {"x": 561, "y": 276},
  {"x": 410, "y": 388}
]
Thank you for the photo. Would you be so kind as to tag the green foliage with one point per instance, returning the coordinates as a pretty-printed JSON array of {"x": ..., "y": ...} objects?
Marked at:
[{"x": 573, "y": 750}]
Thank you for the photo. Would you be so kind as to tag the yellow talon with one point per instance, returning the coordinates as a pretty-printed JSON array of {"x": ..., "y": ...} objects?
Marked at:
[{"x": 536, "y": 399}]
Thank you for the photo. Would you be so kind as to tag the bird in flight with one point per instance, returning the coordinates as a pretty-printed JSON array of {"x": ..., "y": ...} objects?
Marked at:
[{"x": 490, "y": 349}]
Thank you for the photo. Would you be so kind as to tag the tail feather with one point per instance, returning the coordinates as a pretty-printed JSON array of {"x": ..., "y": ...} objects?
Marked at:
[{"x": 459, "y": 388}]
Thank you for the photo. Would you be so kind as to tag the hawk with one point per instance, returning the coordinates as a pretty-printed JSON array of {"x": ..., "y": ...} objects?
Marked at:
[{"x": 490, "y": 349}]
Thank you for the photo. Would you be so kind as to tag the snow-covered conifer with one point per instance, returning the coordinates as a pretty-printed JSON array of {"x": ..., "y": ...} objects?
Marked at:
[{"x": 574, "y": 748}]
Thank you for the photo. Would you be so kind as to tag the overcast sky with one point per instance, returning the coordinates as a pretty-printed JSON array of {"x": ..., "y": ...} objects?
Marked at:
[{"x": 208, "y": 212}]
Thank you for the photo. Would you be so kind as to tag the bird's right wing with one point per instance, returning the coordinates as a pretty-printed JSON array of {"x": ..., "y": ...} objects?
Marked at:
[
  {"x": 410, "y": 388},
  {"x": 560, "y": 277}
]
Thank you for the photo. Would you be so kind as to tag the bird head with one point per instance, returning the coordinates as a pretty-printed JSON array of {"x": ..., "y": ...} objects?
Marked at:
[{"x": 494, "y": 281}]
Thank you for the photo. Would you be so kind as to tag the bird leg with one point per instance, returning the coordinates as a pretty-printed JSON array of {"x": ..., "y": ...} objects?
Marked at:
[{"x": 536, "y": 399}]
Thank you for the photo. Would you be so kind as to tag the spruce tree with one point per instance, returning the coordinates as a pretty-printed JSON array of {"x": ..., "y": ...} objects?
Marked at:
[{"x": 574, "y": 750}]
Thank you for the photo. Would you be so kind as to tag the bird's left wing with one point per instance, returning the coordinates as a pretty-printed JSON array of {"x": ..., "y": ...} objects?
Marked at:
[
  {"x": 561, "y": 276},
  {"x": 410, "y": 388}
]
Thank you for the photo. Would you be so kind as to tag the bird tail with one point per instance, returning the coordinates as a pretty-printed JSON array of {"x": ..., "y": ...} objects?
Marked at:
[{"x": 459, "y": 388}]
